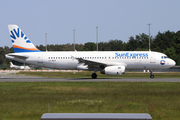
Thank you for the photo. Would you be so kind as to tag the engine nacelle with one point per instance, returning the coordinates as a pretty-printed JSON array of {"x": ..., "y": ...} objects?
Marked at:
[{"x": 113, "y": 70}]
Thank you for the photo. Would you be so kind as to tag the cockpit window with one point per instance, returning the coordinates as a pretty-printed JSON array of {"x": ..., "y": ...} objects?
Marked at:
[{"x": 164, "y": 57}]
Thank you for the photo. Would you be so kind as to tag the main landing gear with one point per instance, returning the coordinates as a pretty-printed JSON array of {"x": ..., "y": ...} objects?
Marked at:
[
  {"x": 151, "y": 75},
  {"x": 94, "y": 76}
]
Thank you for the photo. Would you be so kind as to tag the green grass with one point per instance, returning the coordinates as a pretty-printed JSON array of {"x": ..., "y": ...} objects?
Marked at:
[
  {"x": 86, "y": 74},
  {"x": 28, "y": 101}
]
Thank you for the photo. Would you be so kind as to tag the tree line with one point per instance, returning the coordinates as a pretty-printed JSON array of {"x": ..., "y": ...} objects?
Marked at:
[{"x": 167, "y": 42}]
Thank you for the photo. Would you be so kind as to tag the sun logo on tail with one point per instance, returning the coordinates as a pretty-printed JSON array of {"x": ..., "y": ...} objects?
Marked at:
[{"x": 16, "y": 34}]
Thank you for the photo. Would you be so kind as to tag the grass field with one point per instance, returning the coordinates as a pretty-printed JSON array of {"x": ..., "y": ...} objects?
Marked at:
[
  {"x": 87, "y": 74},
  {"x": 28, "y": 101}
]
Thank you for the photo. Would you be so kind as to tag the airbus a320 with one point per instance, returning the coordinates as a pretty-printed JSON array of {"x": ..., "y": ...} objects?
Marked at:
[{"x": 107, "y": 62}]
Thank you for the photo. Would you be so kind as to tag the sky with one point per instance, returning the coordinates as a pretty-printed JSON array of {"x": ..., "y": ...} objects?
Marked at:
[{"x": 116, "y": 19}]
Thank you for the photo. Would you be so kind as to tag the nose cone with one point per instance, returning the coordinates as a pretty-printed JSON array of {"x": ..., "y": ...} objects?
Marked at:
[{"x": 172, "y": 63}]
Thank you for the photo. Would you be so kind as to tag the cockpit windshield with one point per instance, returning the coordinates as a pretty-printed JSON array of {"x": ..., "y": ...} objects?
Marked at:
[{"x": 164, "y": 57}]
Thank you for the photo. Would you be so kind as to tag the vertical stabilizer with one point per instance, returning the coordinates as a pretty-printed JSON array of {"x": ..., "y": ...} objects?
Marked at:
[{"x": 20, "y": 41}]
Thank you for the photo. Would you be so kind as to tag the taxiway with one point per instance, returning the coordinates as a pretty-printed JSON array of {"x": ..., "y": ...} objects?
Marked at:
[
  {"x": 5, "y": 77},
  {"x": 18, "y": 78}
]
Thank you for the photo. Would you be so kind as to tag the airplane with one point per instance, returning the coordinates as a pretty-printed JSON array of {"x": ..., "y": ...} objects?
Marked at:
[
  {"x": 107, "y": 62},
  {"x": 19, "y": 67}
]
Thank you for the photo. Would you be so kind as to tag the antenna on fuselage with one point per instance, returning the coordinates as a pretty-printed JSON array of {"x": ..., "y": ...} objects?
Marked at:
[{"x": 149, "y": 37}]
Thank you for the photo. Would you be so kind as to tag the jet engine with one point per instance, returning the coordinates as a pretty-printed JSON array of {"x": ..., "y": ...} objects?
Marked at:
[{"x": 113, "y": 70}]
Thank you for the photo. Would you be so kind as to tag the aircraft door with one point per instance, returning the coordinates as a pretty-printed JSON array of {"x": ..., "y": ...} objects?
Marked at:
[
  {"x": 40, "y": 58},
  {"x": 152, "y": 58}
]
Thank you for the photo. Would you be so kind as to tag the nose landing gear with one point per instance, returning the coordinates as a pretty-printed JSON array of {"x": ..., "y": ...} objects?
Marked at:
[{"x": 151, "y": 75}]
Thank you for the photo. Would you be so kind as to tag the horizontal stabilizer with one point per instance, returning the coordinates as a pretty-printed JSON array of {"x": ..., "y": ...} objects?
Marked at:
[{"x": 16, "y": 56}]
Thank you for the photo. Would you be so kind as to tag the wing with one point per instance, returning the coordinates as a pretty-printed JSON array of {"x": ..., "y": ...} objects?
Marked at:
[
  {"x": 95, "y": 64},
  {"x": 91, "y": 63}
]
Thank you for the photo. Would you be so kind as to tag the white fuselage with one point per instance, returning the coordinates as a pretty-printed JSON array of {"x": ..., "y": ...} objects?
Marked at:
[{"x": 67, "y": 60}]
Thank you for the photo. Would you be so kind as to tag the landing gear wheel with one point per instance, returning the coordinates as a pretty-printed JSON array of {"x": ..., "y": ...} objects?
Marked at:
[
  {"x": 94, "y": 76},
  {"x": 151, "y": 76}
]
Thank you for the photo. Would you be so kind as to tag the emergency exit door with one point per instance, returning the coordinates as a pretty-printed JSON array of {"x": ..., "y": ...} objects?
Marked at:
[
  {"x": 40, "y": 58},
  {"x": 152, "y": 58}
]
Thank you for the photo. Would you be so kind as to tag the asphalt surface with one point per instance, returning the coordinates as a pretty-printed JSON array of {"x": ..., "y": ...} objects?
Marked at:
[
  {"x": 19, "y": 78},
  {"x": 5, "y": 77}
]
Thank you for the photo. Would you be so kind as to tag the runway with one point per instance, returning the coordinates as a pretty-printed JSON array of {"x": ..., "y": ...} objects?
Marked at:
[{"x": 19, "y": 78}]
